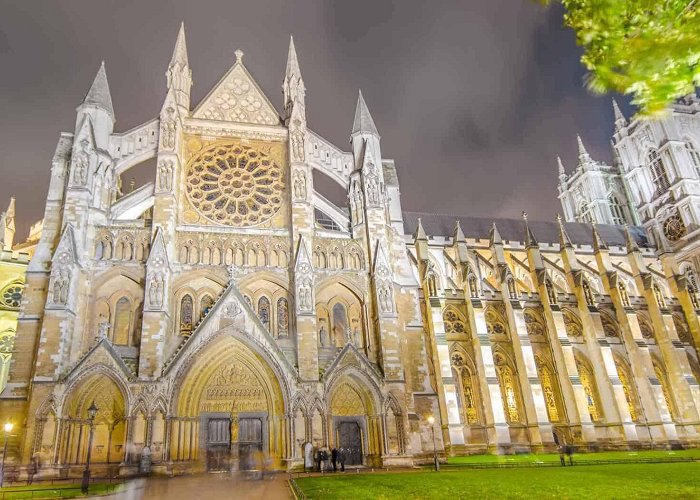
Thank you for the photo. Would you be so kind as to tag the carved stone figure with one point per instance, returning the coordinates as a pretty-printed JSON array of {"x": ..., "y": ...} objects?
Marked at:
[{"x": 167, "y": 129}]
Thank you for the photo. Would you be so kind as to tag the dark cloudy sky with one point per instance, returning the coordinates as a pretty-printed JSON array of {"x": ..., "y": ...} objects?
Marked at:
[{"x": 473, "y": 98}]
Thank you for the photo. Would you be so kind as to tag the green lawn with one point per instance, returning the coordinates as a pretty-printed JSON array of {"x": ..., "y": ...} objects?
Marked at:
[
  {"x": 54, "y": 490},
  {"x": 554, "y": 457},
  {"x": 666, "y": 481}
]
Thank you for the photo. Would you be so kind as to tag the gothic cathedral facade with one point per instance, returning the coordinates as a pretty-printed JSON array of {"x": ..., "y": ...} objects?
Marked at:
[{"x": 228, "y": 308}]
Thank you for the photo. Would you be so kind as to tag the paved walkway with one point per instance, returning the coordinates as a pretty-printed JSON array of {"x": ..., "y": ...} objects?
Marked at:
[{"x": 206, "y": 487}]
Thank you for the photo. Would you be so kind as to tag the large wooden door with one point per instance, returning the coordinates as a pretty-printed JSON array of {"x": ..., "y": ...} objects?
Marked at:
[
  {"x": 250, "y": 440},
  {"x": 218, "y": 444},
  {"x": 350, "y": 439}
]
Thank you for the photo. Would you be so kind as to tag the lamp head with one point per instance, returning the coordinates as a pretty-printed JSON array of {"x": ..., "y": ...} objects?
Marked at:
[
  {"x": 431, "y": 420},
  {"x": 92, "y": 411},
  {"x": 8, "y": 427}
]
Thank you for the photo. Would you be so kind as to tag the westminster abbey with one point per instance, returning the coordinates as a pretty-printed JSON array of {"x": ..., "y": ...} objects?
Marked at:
[{"x": 227, "y": 308}]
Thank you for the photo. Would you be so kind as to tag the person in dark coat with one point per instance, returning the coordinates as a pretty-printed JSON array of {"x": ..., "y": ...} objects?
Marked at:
[
  {"x": 562, "y": 455},
  {"x": 334, "y": 459},
  {"x": 341, "y": 459},
  {"x": 317, "y": 458}
]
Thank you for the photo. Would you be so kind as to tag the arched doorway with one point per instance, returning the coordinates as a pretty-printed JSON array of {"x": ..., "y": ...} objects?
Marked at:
[
  {"x": 230, "y": 410},
  {"x": 109, "y": 425},
  {"x": 355, "y": 423}
]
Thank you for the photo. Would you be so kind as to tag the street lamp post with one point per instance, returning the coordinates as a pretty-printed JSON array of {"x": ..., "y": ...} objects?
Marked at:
[
  {"x": 8, "y": 429},
  {"x": 85, "y": 485},
  {"x": 431, "y": 421}
]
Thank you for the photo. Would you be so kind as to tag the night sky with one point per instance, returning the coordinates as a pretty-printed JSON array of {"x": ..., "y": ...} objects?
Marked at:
[{"x": 474, "y": 99}]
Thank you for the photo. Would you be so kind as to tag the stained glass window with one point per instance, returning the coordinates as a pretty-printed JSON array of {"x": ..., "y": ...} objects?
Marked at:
[
  {"x": 282, "y": 317},
  {"x": 186, "y": 314},
  {"x": 264, "y": 311}
]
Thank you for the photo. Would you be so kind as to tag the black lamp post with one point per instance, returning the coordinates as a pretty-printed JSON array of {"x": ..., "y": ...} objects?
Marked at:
[
  {"x": 431, "y": 421},
  {"x": 8, "y": 428},
  {"x": 85, "y": 485}
]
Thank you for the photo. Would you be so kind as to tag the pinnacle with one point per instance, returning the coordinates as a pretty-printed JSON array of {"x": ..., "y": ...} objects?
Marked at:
[
  {"x": 581, "y": 148},
  {"x": 530, "y": 240},
  {"x": 363, "y": 124},
  {"x": 598, "y": 241},
  {"x": 292, "y": 60},
  {"x": 239, "y": 55},
  {"x": 619, "y": 117},
  {"x": 495, "y": 236},
  {"x": 562, "y": 172},
  {"x": 420, "y": 232},
  {"x": 458, "y": 234},
  {"x": 99, "y": 95},
  {"x": 564, "y": 240},
  {"x": 180, "y": 50},
  {"x": 630, "y": 242}
]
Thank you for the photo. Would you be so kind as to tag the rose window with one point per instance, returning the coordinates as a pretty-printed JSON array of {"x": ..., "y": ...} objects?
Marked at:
[
  {"x": 235, "y": 185},
  {"x": 12, "y": 296}
]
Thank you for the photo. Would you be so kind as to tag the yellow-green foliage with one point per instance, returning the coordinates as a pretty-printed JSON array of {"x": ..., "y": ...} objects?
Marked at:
[{"x": 649, "y": 49}]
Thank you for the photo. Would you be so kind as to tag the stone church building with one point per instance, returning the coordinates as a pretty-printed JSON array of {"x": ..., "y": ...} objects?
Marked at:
[{"x": 227, "y": 308}]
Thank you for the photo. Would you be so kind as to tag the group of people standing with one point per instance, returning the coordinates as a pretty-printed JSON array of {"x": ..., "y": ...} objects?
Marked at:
[{"x": 336, "y": 457}]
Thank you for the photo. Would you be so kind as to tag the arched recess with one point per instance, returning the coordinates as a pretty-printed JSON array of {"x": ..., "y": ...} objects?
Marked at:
[
  {"x": 394, "y": 427},
  {"x": 117, "y": 301},
  {"x": 665, "y": 383},
  {"x": 270, "y": 299},
  {"x": 511, "y": 393},
  {"x": 341, "y": 314},
  {"x": 467, "y": 378},
  {"x": 110, "y": 426},
  {"x": 624, "y": 372},
  {"x": 354, "y": 405},
  {"x": 228, "y": 379},
  {"x": 590, "y": 388}
]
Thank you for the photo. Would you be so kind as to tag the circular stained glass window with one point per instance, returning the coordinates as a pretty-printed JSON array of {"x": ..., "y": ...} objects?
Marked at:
[
  {"x": 235, "y": 185},
  {"x": 12, "y": 295}
]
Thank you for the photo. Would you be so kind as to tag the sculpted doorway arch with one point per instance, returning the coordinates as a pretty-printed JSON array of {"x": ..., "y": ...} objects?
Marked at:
[{"x": 230, "y": 409}]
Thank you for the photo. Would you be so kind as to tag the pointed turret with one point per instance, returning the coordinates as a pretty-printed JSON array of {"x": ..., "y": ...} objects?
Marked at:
[
  {"x": 620, "y": 120},
  {"x": 530, "y": 240},
  {"x": 179, "y": 75},
  {"x": 564, "y": 240},
  {"x": 420, "y": 232},
  {"x": 363, "y": 123},
  {"x": 293, "y": 84},
  {"x": 630, "y": 242},
  {"x": 420, "y": 239},
  {"x": 99, "y": 95},
  {"x": 598, "y": 242}
]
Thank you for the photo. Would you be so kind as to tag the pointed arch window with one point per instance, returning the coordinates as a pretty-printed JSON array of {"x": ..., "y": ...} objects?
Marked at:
[
  {"x": 282, "y": 317},
  {"x": 122, "y": 322},
  {"x": 205, "y": 306},
  {"x": 627, "y": 389},
  {"x": 264, "y": 311},
  {"x": 659, "y": 174},
  {"x": 186, "y": 314},
  {"x": 341, "y": 328},
  {"x": 618, "y": 213},
  {"x": 590, "y": 391},
  {"x": 549, "y": 394},
  {"x": 661, "y": 376},
  {"x": 453, "y": 323}
]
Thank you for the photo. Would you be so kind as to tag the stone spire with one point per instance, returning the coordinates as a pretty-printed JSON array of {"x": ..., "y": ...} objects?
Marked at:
[
  {"x": 620, "y": 120},
  {"x": 179, "y": 74},
  {"x": 582, "y": 153},
  {"x": 564, "y": 240},
  {"x": 598, "y": 242},
  {"x": 530, "y": 240},
  {"x": 293, "y": 84},
  {"x": 99, "y": 95},
  {"x": 363, "y": 123}
]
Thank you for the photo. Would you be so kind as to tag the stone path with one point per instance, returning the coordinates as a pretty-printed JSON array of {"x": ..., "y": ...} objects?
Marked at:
[{"x": 206, "y": 487}]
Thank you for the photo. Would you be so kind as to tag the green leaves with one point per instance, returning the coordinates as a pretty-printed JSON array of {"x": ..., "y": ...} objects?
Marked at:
[{"x": 649, "y": 49}]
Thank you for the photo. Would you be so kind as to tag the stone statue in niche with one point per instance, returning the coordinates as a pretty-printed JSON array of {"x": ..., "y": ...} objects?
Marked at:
[
  {"x": 167, "y": 129},
  {"x": 300, "y": 186},
  {"x": 297, "y": 146},
  {"x": 156, "y": 290},
  {"x": 165, "y": 174},
  {"x": 81, "y": 163},
  {"x": 323, "y": 336}
]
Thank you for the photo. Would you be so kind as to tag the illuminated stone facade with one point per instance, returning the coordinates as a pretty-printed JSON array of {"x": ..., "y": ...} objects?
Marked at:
[{"x": 227, "y": 308}]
